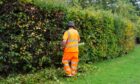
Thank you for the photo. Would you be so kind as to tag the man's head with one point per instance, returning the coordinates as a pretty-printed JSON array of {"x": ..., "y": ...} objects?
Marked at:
[{"x": 71, "y": 24}]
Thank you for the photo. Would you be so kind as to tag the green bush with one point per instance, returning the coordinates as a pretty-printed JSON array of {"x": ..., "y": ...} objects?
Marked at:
[
  {"x": 138, "y": 27},
  {"x": 138, "y": 31},
  {"x": 48, "y": 75},
  {"x": 44, "y": 76},
  {"x": 125, "y": 34},
  {"x": 30, "y": 35}
]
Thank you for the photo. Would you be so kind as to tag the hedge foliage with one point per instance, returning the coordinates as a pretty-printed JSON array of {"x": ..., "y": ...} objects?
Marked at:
[{"x": 30, "y": 35}]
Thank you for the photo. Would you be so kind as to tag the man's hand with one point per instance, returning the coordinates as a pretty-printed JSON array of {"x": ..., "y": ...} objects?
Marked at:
[{"x": 63, "y": 44}]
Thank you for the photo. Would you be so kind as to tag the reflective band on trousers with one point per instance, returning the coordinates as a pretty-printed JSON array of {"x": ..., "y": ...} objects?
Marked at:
[
  {"x": 71, "y": 46},
  {"x": 66, "y": 64},
  {"x": 73, "y": 72},
  {"x": 73, "y": 67},
  {"x": 74, "y": 62}
]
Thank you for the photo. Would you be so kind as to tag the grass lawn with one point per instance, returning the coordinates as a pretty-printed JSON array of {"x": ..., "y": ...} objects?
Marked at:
[{"x": 122, "y": 70}]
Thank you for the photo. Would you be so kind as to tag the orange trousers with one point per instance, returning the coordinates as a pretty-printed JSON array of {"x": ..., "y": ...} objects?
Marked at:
[{"x": 70, "y": 61}]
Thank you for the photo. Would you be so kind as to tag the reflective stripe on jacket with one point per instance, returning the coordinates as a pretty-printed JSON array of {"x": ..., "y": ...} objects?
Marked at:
[{"x": 72, "y": 41}]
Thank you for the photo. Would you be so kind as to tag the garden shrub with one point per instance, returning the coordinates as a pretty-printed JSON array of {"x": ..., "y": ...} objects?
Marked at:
[
  {"x": 125, "y": 34},
  {"x": 30, "y": 35},
  {"x": 129, "y": 41},
  {"x": 138, "y": 31}
]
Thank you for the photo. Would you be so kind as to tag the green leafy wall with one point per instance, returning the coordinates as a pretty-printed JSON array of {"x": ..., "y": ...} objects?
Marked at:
[{"x": 30, "y": 35}]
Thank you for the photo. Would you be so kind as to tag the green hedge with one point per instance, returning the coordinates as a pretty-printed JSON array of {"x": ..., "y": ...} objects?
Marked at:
[
  {"x": 138, "y": 31},
  {"x": 30, "y": 35},
  {"x": 105, "y": 35}
]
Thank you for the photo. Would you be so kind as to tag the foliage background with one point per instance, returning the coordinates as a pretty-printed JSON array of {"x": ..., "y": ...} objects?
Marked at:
[{"x": 31, "y": 31}]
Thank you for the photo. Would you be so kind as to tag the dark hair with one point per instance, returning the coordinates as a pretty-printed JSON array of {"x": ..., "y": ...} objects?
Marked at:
[{"x": 70, "y": 27}]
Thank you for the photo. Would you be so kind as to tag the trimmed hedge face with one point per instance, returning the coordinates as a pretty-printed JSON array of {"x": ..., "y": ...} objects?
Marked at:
[
  {"x": 105, "y": 36},
  {"x": 30, "y": 37}
]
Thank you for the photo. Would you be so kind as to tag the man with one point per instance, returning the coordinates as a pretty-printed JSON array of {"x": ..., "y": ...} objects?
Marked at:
[{"x": 70, "y": 42}]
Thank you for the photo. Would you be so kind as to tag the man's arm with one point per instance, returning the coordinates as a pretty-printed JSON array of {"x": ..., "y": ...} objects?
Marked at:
[
  {"x": 63, "y": 44},
  {"x": 65, "y": 37}
]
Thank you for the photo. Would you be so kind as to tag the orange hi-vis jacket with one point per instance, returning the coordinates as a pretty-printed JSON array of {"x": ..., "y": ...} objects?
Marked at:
[{"x": 72, "y": 38}]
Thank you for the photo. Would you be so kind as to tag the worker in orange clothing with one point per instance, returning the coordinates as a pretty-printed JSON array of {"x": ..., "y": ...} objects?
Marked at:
[{"x": 70, "y": 42}]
